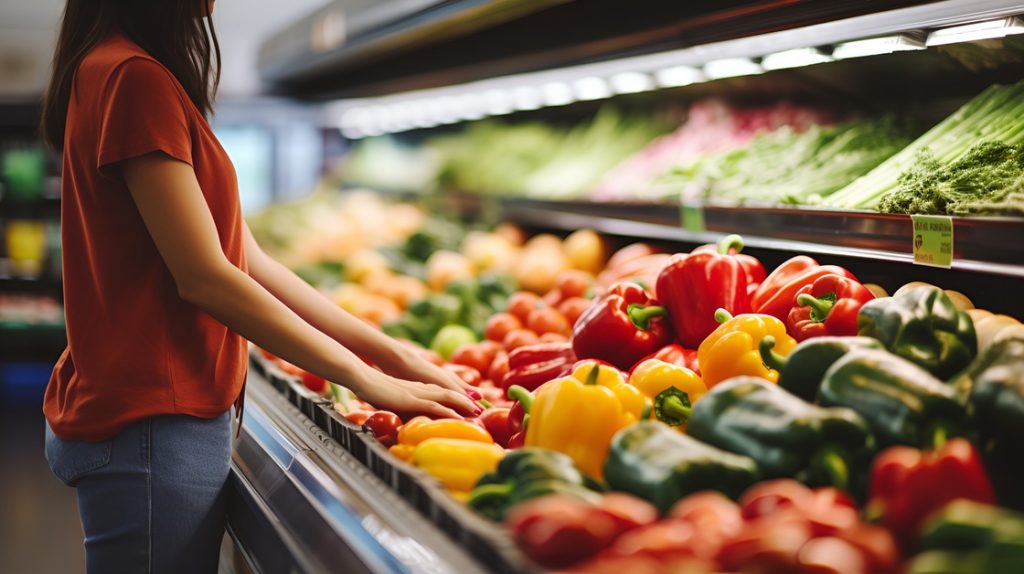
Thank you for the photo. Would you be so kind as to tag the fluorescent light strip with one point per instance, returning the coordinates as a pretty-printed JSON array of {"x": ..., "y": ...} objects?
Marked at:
[
  {"x": 677, "y": 76},
  {"x": 795, "y": 59},
  {"x": 631, "y": 83},
  {"x": 989, "y": 30},
  {"x": 731, "y": 68},
  {"x": 877, "y": 46}
]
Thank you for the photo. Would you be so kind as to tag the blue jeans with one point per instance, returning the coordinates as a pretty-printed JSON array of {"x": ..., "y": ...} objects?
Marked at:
[{"x": 151, "y": 499}]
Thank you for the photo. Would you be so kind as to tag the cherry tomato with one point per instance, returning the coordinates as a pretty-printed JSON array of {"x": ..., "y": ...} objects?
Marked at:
[
  {"x": 519, "y": 338},
  {"x": 384, "y": 425},
  {"x": 521, "y": 303},
  {"x": 473, "y": 355},
  {"x": 358, "y": 417},
  {"x": 548, "y": 320},
  {"x": 469, "y": 375},
  {"x": 572, "y": 308},
  {"x": 498, "y": 369},
  {"x": 315, "y": 383},
  {"x": 574, "y": 283},
  {"x": 499, "y": 325},
  {"x": 552, "y": 298}
]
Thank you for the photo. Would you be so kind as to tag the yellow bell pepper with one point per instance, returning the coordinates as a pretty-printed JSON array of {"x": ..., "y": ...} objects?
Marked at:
[
  {"x": 458, "y": 463},
  {"x": 579, "y": 414},
  {"x": 421, "y": 429},
  {"x": 672, "y": 388},
  {"x": 732, "y": 349}
]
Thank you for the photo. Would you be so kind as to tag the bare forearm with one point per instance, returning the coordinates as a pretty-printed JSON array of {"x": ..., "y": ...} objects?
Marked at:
[
  {"x": 317, "y": 310},
  {"x": 235, "y": 299}
]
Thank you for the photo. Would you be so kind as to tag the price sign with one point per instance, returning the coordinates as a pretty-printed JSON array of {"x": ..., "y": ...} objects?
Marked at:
[{"x": 933, "y": 240}]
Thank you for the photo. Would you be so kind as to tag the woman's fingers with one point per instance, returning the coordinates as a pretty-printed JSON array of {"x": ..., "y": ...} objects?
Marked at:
[
  {"x": 455, "y": 399},
  {"x": 435, "y": 409}
]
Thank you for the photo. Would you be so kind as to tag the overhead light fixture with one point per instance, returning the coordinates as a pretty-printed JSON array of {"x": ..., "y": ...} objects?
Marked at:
[
  {"x": 557, "y": 94},
  {"x": 499, "y": 102},
  {"x": 471, "y": 106},
  {"x": 677, "y": 76},
  {"x": 987, "y": 30},
  {"x": 591, "y": 88},
  {"x": 731, "y": 68},
  {"x": 526, "y": 98},
  {"x": 877, "y": 46},
  {"x": 794, "y": 59},
  {"x": 631, "y": 83}
]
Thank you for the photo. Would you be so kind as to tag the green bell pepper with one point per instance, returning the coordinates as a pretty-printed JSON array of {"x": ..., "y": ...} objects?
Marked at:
[
  {"x": 802, "y": 371},
  {"x": 528, "y": 473},
  {"x": 994, "y": 385},
  {"x": 968, "y": 534},
  {"x": 924, "y": 326},
  {"x": 784, "y": 435},
  {"x": 662, "y": 465},
  {"x": 901, "y": 402}
]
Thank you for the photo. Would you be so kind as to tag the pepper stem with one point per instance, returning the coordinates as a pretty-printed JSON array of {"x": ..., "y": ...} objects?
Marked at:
[
  {"x": 730, "y": 242},
  {"x": 722, "y": 315},
  {"x": 939, "y": 436},
  {"x": 833, "y": 464},
  {"x": 485, "y": 403},
  {"x": 525, "y": 397},
  {"x": 672, "y": 407},
  {"x": 771, "y": 359},
  {"x": 641, "y": 315},
  {"x": 593, "y": 375},
  {"x": 820, "y": 307}
]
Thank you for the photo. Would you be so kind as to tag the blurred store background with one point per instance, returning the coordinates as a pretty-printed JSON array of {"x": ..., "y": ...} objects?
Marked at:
[{"x": 279, "y": 153}]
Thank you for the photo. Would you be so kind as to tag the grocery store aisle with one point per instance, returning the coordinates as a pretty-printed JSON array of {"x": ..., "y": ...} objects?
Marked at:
[{"x": 39, "y": 527}]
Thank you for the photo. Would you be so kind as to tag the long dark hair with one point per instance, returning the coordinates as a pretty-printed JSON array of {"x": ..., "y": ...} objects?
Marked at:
[{"x": 175, "y": 32}]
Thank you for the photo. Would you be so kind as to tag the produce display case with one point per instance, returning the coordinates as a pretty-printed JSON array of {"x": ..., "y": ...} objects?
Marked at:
[{"x": 437, "y": 50}]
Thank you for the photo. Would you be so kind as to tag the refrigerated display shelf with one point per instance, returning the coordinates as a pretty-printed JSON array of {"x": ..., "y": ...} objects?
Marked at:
[{"x": 359, "y": 462}]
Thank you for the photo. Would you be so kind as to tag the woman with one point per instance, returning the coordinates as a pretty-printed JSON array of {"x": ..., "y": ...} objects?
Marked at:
[{"x": 164, "y": 283}]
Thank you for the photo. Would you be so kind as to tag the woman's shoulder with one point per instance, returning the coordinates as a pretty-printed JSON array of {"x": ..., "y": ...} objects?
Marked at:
[{"x": 118, "y": 56}]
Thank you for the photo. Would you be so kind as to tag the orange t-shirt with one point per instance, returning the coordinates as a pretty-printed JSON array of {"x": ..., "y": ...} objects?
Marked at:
[{"x": 135, "y": 348}]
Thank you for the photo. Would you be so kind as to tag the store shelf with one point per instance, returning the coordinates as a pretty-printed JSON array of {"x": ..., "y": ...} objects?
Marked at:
[
  {"x": 303, "y": 501},
  {"x": 43, "y": 208},
  {"x": 32, "y": 342}
]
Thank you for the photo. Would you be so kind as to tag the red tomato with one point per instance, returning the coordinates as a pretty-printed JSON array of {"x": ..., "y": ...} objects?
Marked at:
[
  {"x": 552, "y": 297},
  {"x": 469, "y": 375},
  {"x": 574, "y": 283},
  {"x": 474, "y": 355},
  {"x": 498, "y": 369},
  {"x": 315, "y": 383},
  {"x": 553, "y": 338},
  {"x": 548, "y": 320},
  {"x": 519, "y": 338},
  {"x": 520, "y": 304},
  {"x": 499, "y": 325},
  {"x": 384, "y": 425},
  {"x": 572, "y": 308}
]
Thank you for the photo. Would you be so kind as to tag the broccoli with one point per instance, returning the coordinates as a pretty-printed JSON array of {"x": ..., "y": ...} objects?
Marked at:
[{"x": 987, "y": 180}]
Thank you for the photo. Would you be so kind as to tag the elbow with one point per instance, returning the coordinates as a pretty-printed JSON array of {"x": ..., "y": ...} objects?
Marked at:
[{"x": 201, "y": 287}]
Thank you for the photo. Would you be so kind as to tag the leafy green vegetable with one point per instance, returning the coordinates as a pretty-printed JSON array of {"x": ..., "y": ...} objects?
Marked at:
[{"x": 978, "y": 183}]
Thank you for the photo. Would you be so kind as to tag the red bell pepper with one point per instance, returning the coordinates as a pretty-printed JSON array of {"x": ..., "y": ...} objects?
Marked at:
[
  {"x": 776, "y": 294},
  {"x": 533, "y": 365},
  {"x": 753, "y": 268},
  {"x": 674, "y": 354},
  {"x": 908, "y": 484},
  {"x": 496, "y": 422},
  {"x": 829, "y": 306},
  {"x": 693, "y": 286},
  {"x": 621, "y": 327}
]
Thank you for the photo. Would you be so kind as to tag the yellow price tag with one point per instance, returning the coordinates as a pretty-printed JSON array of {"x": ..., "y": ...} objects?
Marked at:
[{"x": 933, "y": 240}]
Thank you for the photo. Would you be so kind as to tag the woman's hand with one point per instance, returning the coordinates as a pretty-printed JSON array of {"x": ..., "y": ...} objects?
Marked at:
[
  {"x": 403, "y": 396},
  {"x": 412, "y": 366}
]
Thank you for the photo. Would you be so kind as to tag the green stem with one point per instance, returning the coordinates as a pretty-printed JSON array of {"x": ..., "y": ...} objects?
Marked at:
[
  {"x": 672, "y": 407},
  {"x": 939, "y": 436},
  {"x": 833, "y": 464},
  {"x": 820, "y": 307},
  {"x": 485, "y": 404},
  {"x": 641, "y": 315},
  {"x": 593, "y": 375},
  {"x": 730, "y": 242},
  {"x": 525, "y": 397},
  {"x": 771, "y": 359},
  {"x": 721, "y": 315}
]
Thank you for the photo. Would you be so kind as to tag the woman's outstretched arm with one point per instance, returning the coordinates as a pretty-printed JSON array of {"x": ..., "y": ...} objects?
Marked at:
[{"x": 175, "y": 213}]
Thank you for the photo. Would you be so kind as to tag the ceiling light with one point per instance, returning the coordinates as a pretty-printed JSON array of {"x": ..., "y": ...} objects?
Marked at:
[
  {"x": 877, "y": 46},
  {"x": 677, "y": 76},
  {"x": 499, "y": 102},
  {"x": 731, "y": 68},
  {"x": 977, "y": 31},
  {"x": 557, "y": 94},
  {"x": 591, "y": 88},
  {"x": 631, "y": 83},
  {"x": 471, "y": 106},
  {"x": 526, "y": 98},
  {"x": 794, "y": 59}
]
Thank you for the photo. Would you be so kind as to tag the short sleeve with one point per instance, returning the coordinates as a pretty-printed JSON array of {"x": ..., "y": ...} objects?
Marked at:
[{"x": 142, "y": 112}]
